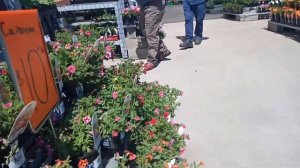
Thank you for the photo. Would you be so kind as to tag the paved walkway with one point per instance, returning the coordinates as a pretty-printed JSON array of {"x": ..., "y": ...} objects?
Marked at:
[{"x": 241, "y": 100}]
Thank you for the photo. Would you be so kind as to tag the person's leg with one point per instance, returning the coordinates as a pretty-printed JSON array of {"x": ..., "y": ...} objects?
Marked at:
[
  {"x": 163, "y": 51},
  {"x": 188, "y": 15},
  {"x": 200, "y": 14},
  {"x": 152, "y": 21}
]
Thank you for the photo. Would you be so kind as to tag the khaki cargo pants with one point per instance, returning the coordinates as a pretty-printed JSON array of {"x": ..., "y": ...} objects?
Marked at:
[{"x": 150, "y": 19}]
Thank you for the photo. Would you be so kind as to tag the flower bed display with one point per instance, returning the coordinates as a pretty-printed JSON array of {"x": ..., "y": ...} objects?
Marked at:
[
  {"x": 286, "y": 12},
  {"x": 135, "y": 118}
]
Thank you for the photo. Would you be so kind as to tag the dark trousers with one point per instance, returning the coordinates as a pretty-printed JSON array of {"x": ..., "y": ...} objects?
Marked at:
[
  {"x": 150, "y": 19},
  {"x": 191, "y": 10}
]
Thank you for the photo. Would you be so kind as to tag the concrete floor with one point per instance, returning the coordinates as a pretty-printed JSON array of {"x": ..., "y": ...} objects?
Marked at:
[{"x": 241, "y": 94}]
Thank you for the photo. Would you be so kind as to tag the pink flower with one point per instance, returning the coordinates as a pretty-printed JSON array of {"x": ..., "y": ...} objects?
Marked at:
[
  {"x": 136, "y": 10},
  {"x": 77, "y": 45},
  {"x": 108, "y": 48},
  {"x": 3, "y": 72},
  {"x": 128, "y": 129},
  {"x": 131, "y": 155},
  {"x": 71, "y": 69},
  {"x": 137, "y": 118},
  {"x": 181, "y": 150},
  {"x": 115, "y": 95},
  {"x": 181, "y": 93},
  {"x": 81, "y": 31},
  {"x": 7, "y": 105},
  {"x": 108, "y": 55},
  {"x": 86, "y": 119},
  {"x": 184, "y": 126},
  {"x": 88, "y": 33},
  {"x": 161, "y": 94},
  {"x": 115, "y": 133},
  {"x": 151, "y": 134},
  {"x": 98, "y": 101},
  {"x": 68, "y": 46},
  {"x": 102, "y": 73},
  {"x": 117, "y": 119},
  {"x": 156, "y": 111},
  {"x": 126, "y": 11},
  {"x": 56, "y": 46}
]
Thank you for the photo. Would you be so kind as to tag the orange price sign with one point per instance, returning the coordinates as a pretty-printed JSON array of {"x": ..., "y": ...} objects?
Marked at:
[{"x": 25, "y": 49}]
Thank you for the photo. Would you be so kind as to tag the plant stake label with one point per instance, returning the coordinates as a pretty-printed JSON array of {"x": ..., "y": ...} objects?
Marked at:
[
  {"x": 21, "y": 121},
  {"x": 25, "y": 50}
]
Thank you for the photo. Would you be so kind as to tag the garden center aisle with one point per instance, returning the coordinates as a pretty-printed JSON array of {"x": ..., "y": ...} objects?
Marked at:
[{"x": 241, "y": 94}]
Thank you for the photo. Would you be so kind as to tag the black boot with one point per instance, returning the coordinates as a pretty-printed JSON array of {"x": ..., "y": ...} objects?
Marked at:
[
  {"x": 187, "y": 44},
  {"x": 198, "y": 40}
]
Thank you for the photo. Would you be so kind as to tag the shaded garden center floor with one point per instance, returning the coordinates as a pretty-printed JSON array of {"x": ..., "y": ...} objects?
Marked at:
[{"x": 241, "y": 101}]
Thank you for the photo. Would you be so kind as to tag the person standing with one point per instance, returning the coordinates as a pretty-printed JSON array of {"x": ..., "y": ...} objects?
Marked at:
[
  {"x": 151, "y": 15},
  {"x": 193, "y": 8}
]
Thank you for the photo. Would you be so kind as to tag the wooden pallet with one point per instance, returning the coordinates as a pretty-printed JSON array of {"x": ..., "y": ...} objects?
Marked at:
[
  {"x": 247, "y": 16},
  {"x": 279, "y": 27}
]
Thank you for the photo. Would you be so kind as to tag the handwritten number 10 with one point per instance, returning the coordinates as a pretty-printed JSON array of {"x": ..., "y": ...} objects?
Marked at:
[{"x": 31, "y": 55}]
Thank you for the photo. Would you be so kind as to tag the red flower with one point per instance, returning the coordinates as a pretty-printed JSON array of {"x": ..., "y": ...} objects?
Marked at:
[
  {"x": 117, "y": 119},
  {"x": 153, "y": 121},
  {"x": 83, "y": 163},
  {"x": 3, "y": 72},
  {"x": 175, "y": 166},
  {"x": 108, "y": 55},
  {"x": 115, "y": 133},
  {"x": 151, "y": 134},
  {"x": 88, "y": 33},
  {"x": 137, "y": 118},
  {"x": 141, "y": 99},
  {"x": 166, "y": 114}
]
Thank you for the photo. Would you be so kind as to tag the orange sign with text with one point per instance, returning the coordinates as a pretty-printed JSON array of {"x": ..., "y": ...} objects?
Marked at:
[{"x": 27, "y": 55}]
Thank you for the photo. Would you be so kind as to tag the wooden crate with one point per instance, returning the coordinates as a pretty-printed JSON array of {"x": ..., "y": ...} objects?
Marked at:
[
  {"x": 279, "y": 27},
  {"x": 247, "y": 16}
]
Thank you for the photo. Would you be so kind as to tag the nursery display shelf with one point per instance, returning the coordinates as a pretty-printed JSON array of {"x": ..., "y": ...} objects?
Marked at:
[
  {"x": 248, "y": 16},
  {"x": 87, "y": 6},
  {"x": 277, "y": 27}
]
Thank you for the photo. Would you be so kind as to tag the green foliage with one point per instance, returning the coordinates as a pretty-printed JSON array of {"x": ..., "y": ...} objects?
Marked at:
[
  {"x": 37, "y": 3},
  {"x": 233, "y": 8}
]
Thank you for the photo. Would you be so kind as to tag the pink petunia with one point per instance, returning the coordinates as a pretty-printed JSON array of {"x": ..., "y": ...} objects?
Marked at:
[
  {"x": 115, "y": 133},
  {"x": 108, "y": 55},
  {"x": 156, "y": 111},
  {"x": 166, "y": 114},
  {"x": 137, "y": 118},
  {"x": 108, "y": 48},
  {"x": 181, "y": 150},
  {"x": 117, "y": 119},
  {"x": 71, "y": 69},
  {"x": 102, "y": 73},
  {"x": 56, "y": 46},
  {"x": 77, "y": 45},
  {"x": 86, "y": 119},
  {"x": 98, "y": 101},
  {"x": 81, "y": 31},
  {"x": 7, "y": 105},
  {"x": 68, "y": 46},
  {"x": 161, "y": 94},
  {"x": 114, "y": 95},
  {"x": 88, "y": 33}
]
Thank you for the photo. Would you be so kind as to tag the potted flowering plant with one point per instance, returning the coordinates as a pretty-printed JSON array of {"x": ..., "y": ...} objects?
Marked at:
[
  {"x": 130, "y": 15},
  {"x": 298, "y": 18},
  {"x": 10, "y": 106}
]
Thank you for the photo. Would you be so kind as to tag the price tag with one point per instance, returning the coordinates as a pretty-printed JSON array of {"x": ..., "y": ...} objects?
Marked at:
[
  {"x": 17, "y": 160},
  {"x": 96, "y": 133}
]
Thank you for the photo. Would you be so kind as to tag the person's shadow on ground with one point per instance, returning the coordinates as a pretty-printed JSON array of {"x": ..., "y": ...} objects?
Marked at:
[{"x": 182, "y": 38}]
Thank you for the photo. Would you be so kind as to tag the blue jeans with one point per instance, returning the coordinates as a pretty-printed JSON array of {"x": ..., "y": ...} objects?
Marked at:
[{"x": 191, "y": 10}]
